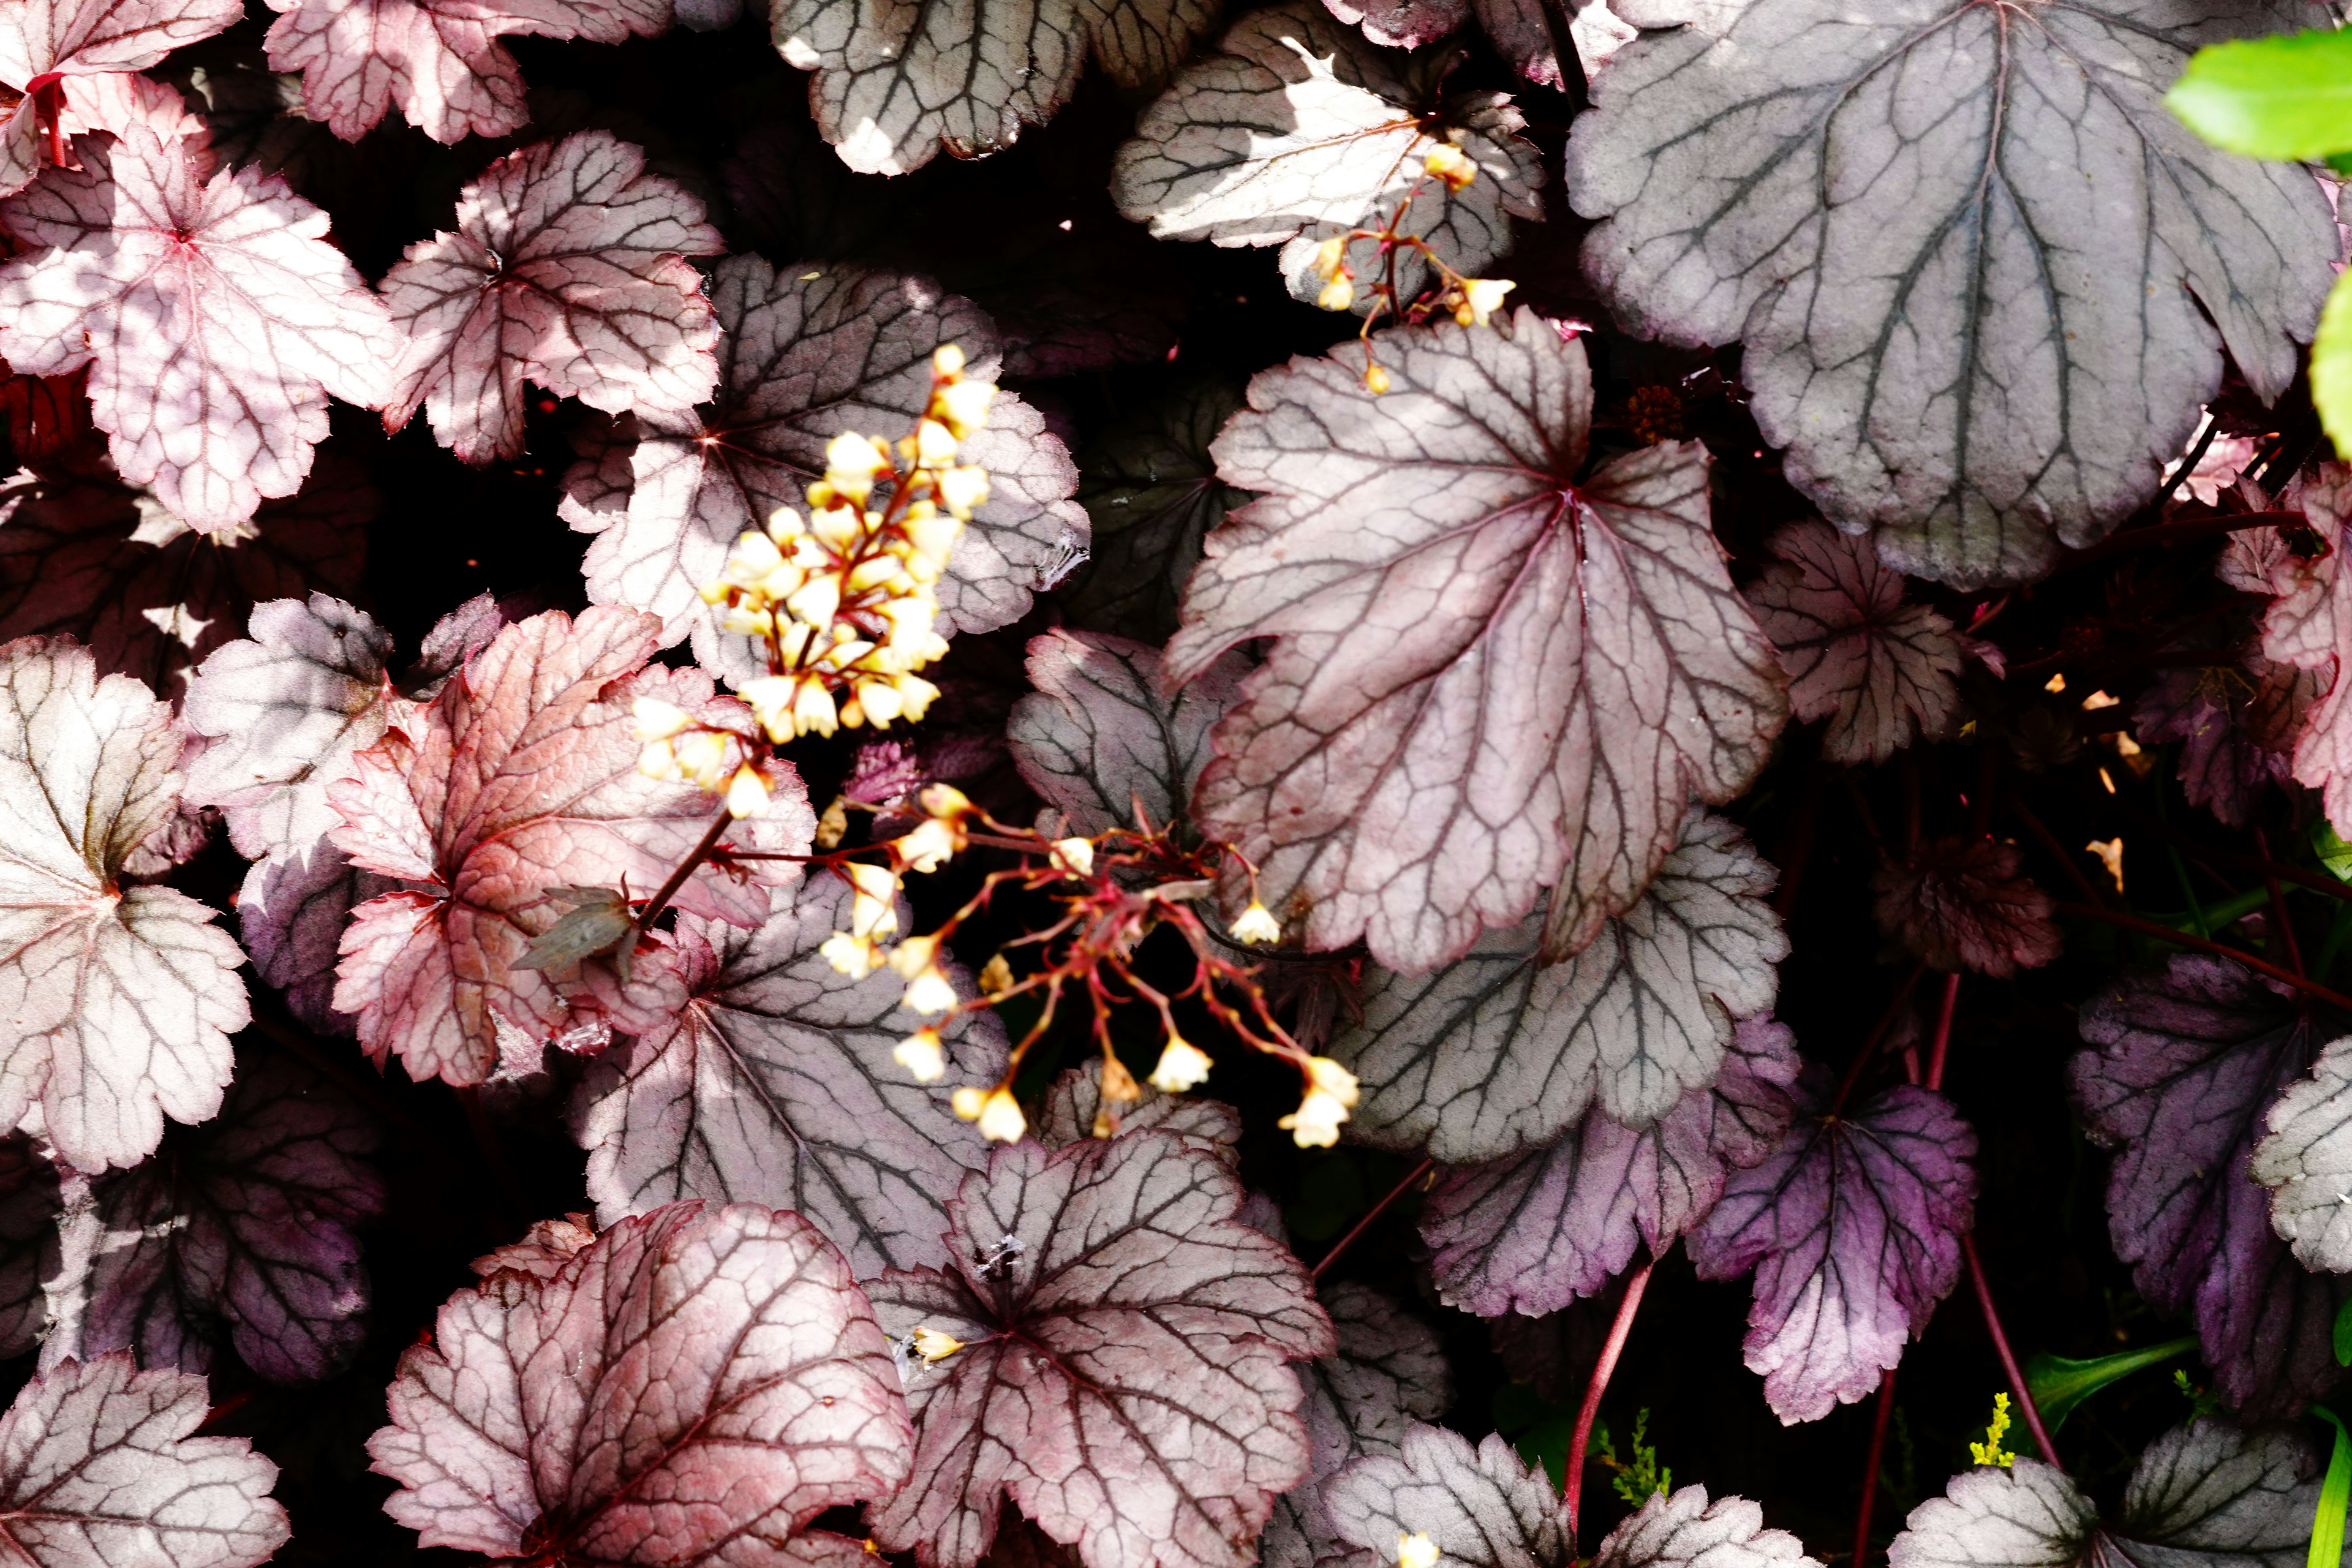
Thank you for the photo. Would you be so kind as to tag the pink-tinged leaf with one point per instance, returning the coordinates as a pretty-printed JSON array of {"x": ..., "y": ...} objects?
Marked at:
[
  {"x": 85, "y": 556},
  {"x": 2185, "y": 1062},
  {"x": 567, "y": 267},
  {"x": 1481, "y": 1508},
  {"x": 241, "y": 1227},
  {"x": 1124, "y": 1375},
  {"x": 214, "y": 317},
  {"x": 1878, "y": 670},
  {"x": 2309, "y": 626},
  {"x": 1682, "y": 1529},
  {"x": 116, "y": 1003},
  {"x": 774, "y": 1083},
  {"x": 1387, "y": 1373},
  {"x": 290, "y": 913},
  {"x": 543, "y": 1252},
  {"x": 2236, "y": 719},
  {"x": 28, "y": 1242},
  {"x": 1075, "y": 1103},
  {"x": 808, "y": 352},
  {"x": 101, "y": 1467},
  {"x": 86, "y": 42},
  {"x": 1498, "y": 1051},
  {"x": 1853, "y": 1228},
  {"x": 694, "y": 1387},
  {"x": 1536, "y": 1232},
  {"x": 1100, "y": 740},
  {"x": 1518, "y": 28},
  {"x": 520, "y": 778},
  {"x": 438, "y": 61},
  {"x": 1393, "y": 770},
  {"x": 1964, "y": 902}
]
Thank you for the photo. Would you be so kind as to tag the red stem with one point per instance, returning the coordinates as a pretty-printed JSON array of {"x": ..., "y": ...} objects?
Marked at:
[
  {"x": 2008, "y": 1357},
  {"x": 1572, "y": 1478},
  {"x": 2285, "y": 937},
  {"x": 2049, "y": 841},
  {"x": 1314, "y": 1274},
  {"x": 1877, "y": 1037},
  {"x": 1942, "y": 1031},
  {"x": 1870, "y": 1476},
  {"x": 701, "y": 852},
  {"x": 2304, "y": 984}
]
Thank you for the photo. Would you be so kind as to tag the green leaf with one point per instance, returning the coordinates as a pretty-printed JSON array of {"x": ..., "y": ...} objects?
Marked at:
[
  {"x": 599, "y": 922},
  {"x": 2331, "y": 367},
  {"x": 2334, "y": 854},
  {"x": 2288, "y": 97},
  {"x": 2344, "y": 1334},
  {"x": 2058, "y": 1385},
  {"x": 2327, "y": 1525}
]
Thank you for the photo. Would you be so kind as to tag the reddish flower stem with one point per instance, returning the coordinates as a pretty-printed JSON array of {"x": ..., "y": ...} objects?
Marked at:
[
  {"x": 1877, "y": 1035},
  {"x": 2172, "y": 534},
  {"x": 2049, "y": 841},
  {"x": 1870, "y": 1475},
  {"x": 1572, "y": 1478},
  {"x": 2304, "y": 984},
  {"x": 1942, "y": 1031},
  {"x": 2279, "y": 917},
  {"x": 2008, "y": 1357},
  {"x": 676, "y": 879},
  {"x": 2221, "y": 859},
  {"x": 1315, "y": 1275}
]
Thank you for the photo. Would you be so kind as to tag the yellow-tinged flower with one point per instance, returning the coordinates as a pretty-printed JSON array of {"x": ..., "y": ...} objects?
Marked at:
[
  {"x": 852, "y": 464},
  {"x": 935, "y": 445},
  {"x": 1414, "y": 1551},
  {"x": 995, "y": 974},
  {"x": 933, "y": 1345},
  {"x": 817, "y": 601},
  {"x": 945, "y": 800},
  {"x": 933, "y": 843},
  {"x": 1118, "y": 1085},
  {"x": 1076, "y": 856},
  {"x": 968, "y": 1101},
  {"x": 833, "y": 824},
  {"x": 920, "y": 1054},
  {"x": 1000, "y": 1118},
  {"x": 962, "y": 405},
  {"x": 747, "y": 621},
  {"x": 1316, "y": 1123},
  {"x": 812, "y": 709},
  {"x": 754, "y": 556},
  {"x": 914, "y": 954},
  {"x": 1182, "y": 1066},
  {"x": 1481, "y": 297},
  {"x": 1337, "y": 294},
  {"x": 947, "y": 362},
  {"x": 934, "y": 537},
  {"x": 1450, "y": 164},
  {"x": 1376, "y": 380},
  {"x": 873, "y": 573},
  {"x": 1325, "y": 1075},
  {"x": 657, "y": 719},
  {"x": 960, "y": 489},
  {"x": 657, "y": 761},
  {"x": 851, "y": 955},
  {"x": 771, "y": 700},
  {"x": 702, "y": 757},
  {"x": 834, "y": 526},
  {"x": 1256, "y": 924},
  {"x": 874, "y": 909},
  {"x": 784, "y": 525},
  {"x": 747, "y": 793},
  {"x": 930, "y": 992},
  {"x": 1330, "y": 257}
]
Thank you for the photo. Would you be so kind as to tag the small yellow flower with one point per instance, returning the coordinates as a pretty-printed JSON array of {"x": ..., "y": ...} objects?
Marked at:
[
  {"x": 874, "y": 912},
  {"x": 960, "y": 489},
  {"x": 852, "y": 464},
  {"x": 947, "y": 362},
  {"x": 812, "y": 709},
  {"x": 1256, "y": 924},
  {"x": 968, "y": 1101},
  {"x": 1182, "y": 1066},
  {"x": 656, "y": 720},
  {"x": 1325, "y": 1075},
  {"x": 997, "y": 1113},
  {"x": 754, "y": 556},
  {"x": 934, "y": 444},
  {"x": 944, "y": 800},
  {"x": 1316, "y": 1123},
  {"x": 1076, "y": 856},
  {"x": 930, "y": 992},
  {"x": 854, "y": 956},
  {"x": 784, "y": 525},
  {"x": 1330, "y": 257},
  {"x": 702, "y": 757},
  {"x": 935, "y": 841},
  {"x": 1450, "y": 164},
  {"x": 657, "y": 761},
  {"x": 1414, "y": 1551},
  {"x": 995, "y": 976},
  {"x": 833, "y": 825},
  {"x": 747, "y": 793},
  {"x": 962, "y": 405},
  {"x": 914, "y": 954},
  {"x": 1337, "y": 294},
  {"x": 1481, "y": 297},
  {"x": 1118, "y": 1084},
  {"x": 933, "y": 1345},
  {"x": 920, "y": 1054},
  {"x": 1376, "y": 380}
]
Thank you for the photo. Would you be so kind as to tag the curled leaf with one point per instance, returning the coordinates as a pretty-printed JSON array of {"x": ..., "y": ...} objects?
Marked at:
[{"x": 2236, "y": 719}]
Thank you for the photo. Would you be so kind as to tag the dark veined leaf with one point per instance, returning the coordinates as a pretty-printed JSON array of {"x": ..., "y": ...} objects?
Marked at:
[
  {"x": 1499, "y": 1052},
  {"x": 1151, "y": 491},
  {"x": 1683, "y": 1529},
  {"x": 101, "y": 1467},
  {"x": 2236, "y": 719},
  {"x": 1390, "y": 769},
  {"x": 1889, "y": 208},
  {"x": 808, "y": 352},
  {"x": 90, "y": 40},
  {"x": 1099, "y": 740},
  {"x": 2184, "y": 1063},
  {"x": 1853, "y": 1228},
  {"x": 693, "y": 1387},
  {"x": 1297, "y": 131},
  {"x": 2309, "y": 626},
  {"x": 1481, "y": 1508},
  {"x": 1122, "y": 1362},
  {"x": 1519, "y": 29},
  {"x": 2306, "y": 1162},
  {"x": 1532, "y": 1233},
  {"x": 568, "y": 268},
  {"x": 2203, "y": 1496},
  {"x": 116, "y": 1003},
  {"x": 1074, "y": 1111},
  {"x": 242, "y": 1226},
  {"x": 28, "y": 1242},
  {"x": 774, "y": 1083},
  {"x": 213, "y": 313},
  {"x": 1964, "y": 902}
]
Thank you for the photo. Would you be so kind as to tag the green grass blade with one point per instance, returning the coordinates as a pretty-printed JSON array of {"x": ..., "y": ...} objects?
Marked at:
[{"x": 2058, "y": 1384}]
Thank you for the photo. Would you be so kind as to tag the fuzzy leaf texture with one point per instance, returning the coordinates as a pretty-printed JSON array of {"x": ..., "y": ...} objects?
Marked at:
[
  {"x": 771, "y": 1082},
  {"x": 91, "y": 40},
  {"x": 1482, "y": 1508},
  {"x": 1683, "y": 1529},
  {"x": 1489, "y": 674},
  {"x": 1853, "y": 1228},
  {"x": 214, "y": 315},
  {"x": 1297, "y": 131},
  {"x": 2185, "y": 1062},
  {"x": 693, "y": 1387},
  {"x": 1969, "y": 253},
  {"x": 118, "y": 1001},
  {"x": 1499, "y": 1052},
  {"x": 1099, "y": 740},
  {"x": 802, "y": 359},
  {"x": 2306, "y": 1162},
  {"x": 1963, "y": 902},
  {"x": 568, "y": 268},
  {"x": 1124, "y": 1375}
]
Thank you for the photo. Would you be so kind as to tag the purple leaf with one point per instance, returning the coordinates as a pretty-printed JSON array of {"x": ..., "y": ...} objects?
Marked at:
[
  {"x": 28, "y": 1242},
  {"x": 1498, "y": 1052},
  {"x": 1151, "y": 491},
  {"x": 1682, "y": 1529},
  {"x": 1074, "y": 1109},
  {"x": 567, "y": 267},
  {"x": 1482, "y": 1508},
  {"x": 1123, "y": 1372},
  {"x": 1853, "y": 1228},
  {"x": 1425, "y": 542},
  {"x": 2236, "y": 720},
  {"x": 243, "y": 1224},
  {"x": 100, "y": 1468},
  {"x": 809, "y": 351},
  {"x": 212, "y": 314},
  {"x": 1100, "y": 739},
  {"x": 88, "y": 40},
  {"x": 774, "y": 1084},
  {"x": 1962, "y": 902},
  {"x": 2185, "y": 1062},
  {"x": 1534, "y": 1232},
  {"x": 116, "y": 1003},
  {"x": 693, "y": 1388}
]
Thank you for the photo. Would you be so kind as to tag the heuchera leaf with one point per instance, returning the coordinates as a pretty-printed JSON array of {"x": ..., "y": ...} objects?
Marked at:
[
  {"x": 694, "y": 1387},
  {"x": 1124, "y": 1372},
  {"x": 1387, "y": 1373},
  {"x": 1534, "y": 1232},
  {"x": 895, "y": 85},
  {"x": 808, "y": 352},
  {"x": 774, "y": 1084},
  {"x": 100, "y": 1468},
  {"x": 214, "y": 317},
  {"x": 2184, "y": 1062},
  {"x": 1853, "y": 1228},
  {"x": 1878, "y": 670},
  {"x": 438, "y": 61},
  {"x": 1963, "y": 902},
  {"x": 1482, "y": 1508},
  {"x": 1075, "y": 1103},
  {"x": 1297, "y": 131},
  {"x": 116, "y": 1003},
  {"x": 2306, "y": 1162},
  {"x": 1393, "y": 770},
  {"x": 1971, "y": 264},
  {"x": 1683, "y": 1529},
  {"x": 1099, "y": 740},
  {"x": 1151, "y": 491},
  {"x": 2236, "y": 719},
  {"x": 1498, "y": 1051},
  {"x": 86, "y": 39},
  {"x": 2309, "y": 626},
  {"x": 567, "y": 267},
  {"x": 1516, "y": 28},
  {"x": 241, "y": 1225},
  {"x": 522, "y": 778},
  {"x": 2203, "y": 1496},
  {"x": 28, "y": 1241}
]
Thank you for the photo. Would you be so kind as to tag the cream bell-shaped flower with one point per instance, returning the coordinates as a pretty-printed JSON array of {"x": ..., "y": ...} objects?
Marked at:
[
  {"x": 963, "y": 406},
  {"x": 947, "y": 360},
  {"x": 933, "y": 1345},
  {"x": 1000, "y": 1120},
  {"x": 747, "y": 793},
  {"x": 960, "y": 489},
  {"x": 1415, "y": 1551},
  {"x": 1450, "y": 164},
  {"x": 854, "y": 956},
  {"x": 933, "y": 844},
  {"x": 656, "y": 720},
  {"x": 1330, "y": 256},
  {"x": 919, "y": 1053},
  {"x": 1337, "y": 294},
  {"x": 1316, "y": 1123},
  {"x": 930, "y": 992},
  {"x": 1076, "y": 856},
  {"x": 1255, "y": 924},
  {"x": 1182, "y": 1066},
  {"x": 1481, "y": 297},
  {"x": 1325, "y": 1075}
]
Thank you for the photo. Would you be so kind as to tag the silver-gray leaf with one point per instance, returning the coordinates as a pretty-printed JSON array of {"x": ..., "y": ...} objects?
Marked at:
[
  {"x": 1482, "y": 1508},
  {"x": 2306, "y": 1162},
  {"x": 1684, "y": 1530},
  {"x": 1100, "y": 739}
]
